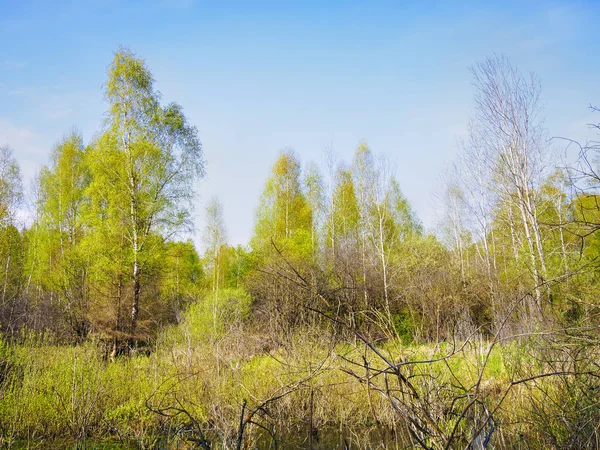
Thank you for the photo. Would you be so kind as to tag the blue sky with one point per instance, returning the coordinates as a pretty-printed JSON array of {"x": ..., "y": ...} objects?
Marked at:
[{"x": 257, "y": 77}]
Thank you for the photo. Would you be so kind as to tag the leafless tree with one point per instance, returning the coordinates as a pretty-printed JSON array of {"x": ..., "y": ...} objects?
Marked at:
[{"x": 512, "y": 139}]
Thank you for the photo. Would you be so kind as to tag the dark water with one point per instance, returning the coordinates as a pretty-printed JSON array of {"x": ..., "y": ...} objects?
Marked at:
[
  {"x": 322, "y": 439},
  {"x": 336, "y": 438}
]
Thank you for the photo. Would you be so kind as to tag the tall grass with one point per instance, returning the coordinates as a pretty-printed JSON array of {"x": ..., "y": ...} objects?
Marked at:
[{"x": 198, "y": 377}]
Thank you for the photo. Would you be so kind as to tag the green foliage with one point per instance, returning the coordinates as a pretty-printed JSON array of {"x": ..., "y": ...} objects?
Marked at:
[
  {"x": 404, "y": 326},
  {"x": 284, "y": 216},
  {"x": 345, "y": 215},
  {"x": 58, "y": 391},
  {"x": 70, "y": 391},
  {"x": 182, "y": 272},
  {"x": 58, "y": 263},
  {"x": 11, "y": 260},
  {"x": 212, "y": 316},
  {"x": 237, "y": 264}
]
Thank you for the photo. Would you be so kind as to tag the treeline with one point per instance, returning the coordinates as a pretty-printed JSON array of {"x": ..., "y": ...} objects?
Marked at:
[
  {"x": 343, "y": 239},
  {"x": 102, "y": 258},
  {"x": 514, "y": 224}
]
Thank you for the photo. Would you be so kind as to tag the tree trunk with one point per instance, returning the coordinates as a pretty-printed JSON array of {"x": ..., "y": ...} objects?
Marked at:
[{"x": 135, "y": 307}]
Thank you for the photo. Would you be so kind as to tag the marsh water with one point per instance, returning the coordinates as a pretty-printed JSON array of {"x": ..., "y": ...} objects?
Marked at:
[{"x": 325, "y": 439}]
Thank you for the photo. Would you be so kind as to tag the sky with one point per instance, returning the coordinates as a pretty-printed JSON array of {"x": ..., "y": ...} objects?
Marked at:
[{"x": 258, "y": 77}]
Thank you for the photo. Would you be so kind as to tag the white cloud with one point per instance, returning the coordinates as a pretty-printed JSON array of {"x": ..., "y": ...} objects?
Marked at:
[
  {"x": 564, "y": 16},
  {"x": 53, "y": 102},
  {"x": 13, "y": 65},
  {"x": 537, "y": 43},
  {"x": 31, "y": 153},
  {"x": 22, "y": 92},
  {"x": 14, "y": 134},
  {"x": 57, "y": 112},
  {"x": 27, "y": 148}
]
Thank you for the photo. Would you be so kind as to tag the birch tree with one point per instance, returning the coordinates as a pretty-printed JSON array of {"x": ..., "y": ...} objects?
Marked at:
[
  {"x": 313, "y": 184},
  {"x": 386, "y": 219},
  {"x": 215, "y": 239},
  {"x": 144, "y": 164},
  {"x": 364, "y": 175},
  {"x": 11, "y": 197},
  {"x": 508, "y": 110},
  {"x": 11, "y": 189},
  {"x": 476, "y": 166},
  {"x": 61, "y": 203},
  {"x": 284, "y": 214}
]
